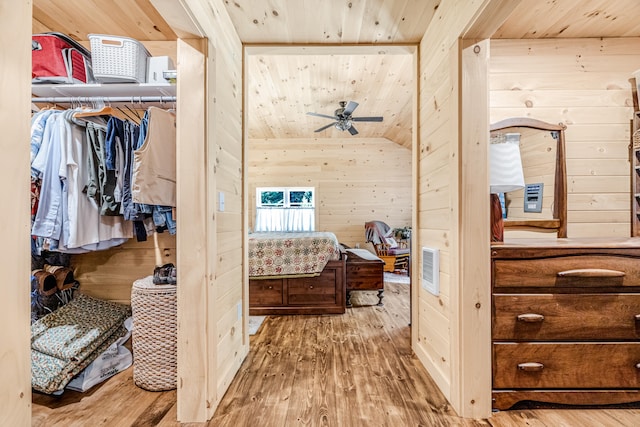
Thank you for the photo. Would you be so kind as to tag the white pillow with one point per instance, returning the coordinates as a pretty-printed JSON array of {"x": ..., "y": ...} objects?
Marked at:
[{"x": 391, "y": 242}]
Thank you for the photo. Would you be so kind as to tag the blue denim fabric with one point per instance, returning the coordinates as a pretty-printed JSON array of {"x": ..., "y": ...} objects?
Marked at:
[
  {"x": 115, "y": 133},
  {"x": 131, "y": 134},
  {"x": 163, "y": 217}
]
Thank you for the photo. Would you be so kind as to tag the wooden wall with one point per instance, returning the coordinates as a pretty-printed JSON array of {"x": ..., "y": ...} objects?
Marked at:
[
  {"x": 356, "y": 180},
  {"x": 583, "y": 83},
  {"x": 213, "y": 339},
  {"x": 227, "y": 171},
  {"x": 15, "y": 86},
  {"x": 451, "y": 336}
]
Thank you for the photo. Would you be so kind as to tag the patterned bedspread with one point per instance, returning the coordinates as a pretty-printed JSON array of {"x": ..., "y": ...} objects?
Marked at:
[{"x": 291, "y": 254}]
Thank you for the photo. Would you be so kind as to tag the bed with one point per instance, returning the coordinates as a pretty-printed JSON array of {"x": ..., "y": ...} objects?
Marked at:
[{"x": 296, "y": 273}]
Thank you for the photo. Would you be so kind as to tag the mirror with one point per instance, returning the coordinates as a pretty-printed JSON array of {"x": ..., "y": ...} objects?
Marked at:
[{"x": 543, "y": 160}]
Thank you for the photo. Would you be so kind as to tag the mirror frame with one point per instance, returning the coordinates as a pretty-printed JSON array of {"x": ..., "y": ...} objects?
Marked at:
[{"x": 559, "y": 221}]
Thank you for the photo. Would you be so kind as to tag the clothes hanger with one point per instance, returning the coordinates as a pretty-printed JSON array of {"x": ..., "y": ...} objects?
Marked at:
[
  {"x": 102, "y": 110},
  {"x": 127, "y": 115},
  {"x": 133, "y": 111}
]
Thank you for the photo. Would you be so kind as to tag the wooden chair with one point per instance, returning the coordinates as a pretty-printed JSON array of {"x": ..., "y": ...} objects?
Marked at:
[
  {"x": 395, "y": 258},
  {"x": 395, "y": 255}
]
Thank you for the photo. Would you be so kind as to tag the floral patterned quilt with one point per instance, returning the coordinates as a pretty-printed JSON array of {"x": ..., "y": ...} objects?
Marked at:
[{"x": 296, "y": 254}]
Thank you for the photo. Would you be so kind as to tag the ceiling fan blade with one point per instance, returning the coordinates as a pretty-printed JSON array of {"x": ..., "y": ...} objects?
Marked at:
[
  {"x": 348, "y": 110},
  {"x": 366, "y": 119},
  {"x": 353, "y": 130},
  {"x": 325, "y": 127},
  {"x": 322, "y": 115}
]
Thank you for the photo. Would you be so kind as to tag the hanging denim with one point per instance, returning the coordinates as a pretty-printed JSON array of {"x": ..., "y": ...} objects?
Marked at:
[{"x": 131, "y": 133}]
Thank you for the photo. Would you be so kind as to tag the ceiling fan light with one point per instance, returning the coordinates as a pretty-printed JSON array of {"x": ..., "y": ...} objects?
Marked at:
[{"x": 343, "y": 124}]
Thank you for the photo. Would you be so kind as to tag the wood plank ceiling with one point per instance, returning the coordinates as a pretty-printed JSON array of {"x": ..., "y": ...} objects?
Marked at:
[{"x": 283, "y": 87}]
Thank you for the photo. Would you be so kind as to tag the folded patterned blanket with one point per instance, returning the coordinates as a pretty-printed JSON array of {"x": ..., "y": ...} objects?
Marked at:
[{"x": 67, "y": 340}]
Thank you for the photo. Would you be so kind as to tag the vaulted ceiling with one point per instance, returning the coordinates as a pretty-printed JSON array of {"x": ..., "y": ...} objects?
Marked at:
[{"x": 283, "y": 86}]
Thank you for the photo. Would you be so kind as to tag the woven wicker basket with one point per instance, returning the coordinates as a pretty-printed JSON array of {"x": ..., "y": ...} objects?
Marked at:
[
  {"x": 636, "y": 139},
  {"x": 154, "y": 335}
]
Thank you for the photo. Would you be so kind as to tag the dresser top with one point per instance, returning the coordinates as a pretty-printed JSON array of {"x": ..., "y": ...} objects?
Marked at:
[
  {"x": 600, "y": 243},
  {"x": 539, "y": 248}
]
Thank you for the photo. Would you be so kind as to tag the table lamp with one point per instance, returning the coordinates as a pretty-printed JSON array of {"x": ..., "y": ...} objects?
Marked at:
[{"x": 505, "y": 175}]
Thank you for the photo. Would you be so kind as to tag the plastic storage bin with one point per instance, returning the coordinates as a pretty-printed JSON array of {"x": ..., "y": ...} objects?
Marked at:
[{"x": 118, "y": 59}]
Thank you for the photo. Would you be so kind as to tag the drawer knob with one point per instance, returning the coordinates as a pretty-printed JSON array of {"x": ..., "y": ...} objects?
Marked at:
[
  {"x": 591, "y": 272},
  {"x": 310, "y": 286},
  {"x": 269, "y": 287},
  {"x": 530, "y": 317},
  {"x": 531, "y": 366},
  {"x": 637, "y": 317}
]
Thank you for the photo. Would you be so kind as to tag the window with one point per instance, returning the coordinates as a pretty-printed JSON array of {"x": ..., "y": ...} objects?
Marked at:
[
  {"x": 285, "y": 209},
  {"x": 284, "y": 197}
]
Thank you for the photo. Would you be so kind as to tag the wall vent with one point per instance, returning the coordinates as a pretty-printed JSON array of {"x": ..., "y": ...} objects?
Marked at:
[{"x": 431, "y": 270}]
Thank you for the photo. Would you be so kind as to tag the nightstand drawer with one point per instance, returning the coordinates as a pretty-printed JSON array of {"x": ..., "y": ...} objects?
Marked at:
[
  {"x": 575, "y": 317},
  {"x": 567, "y": 272},
  {"x": 566, "y": 365}
]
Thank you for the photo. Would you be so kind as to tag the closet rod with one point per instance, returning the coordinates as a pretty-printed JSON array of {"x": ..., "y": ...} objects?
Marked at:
[{"x": 106, "y": 99}]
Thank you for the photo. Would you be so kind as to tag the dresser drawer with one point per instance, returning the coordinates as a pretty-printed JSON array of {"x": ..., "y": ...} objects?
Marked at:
[
  {"x": 265, "y": 292},
  {"x": 313, "y": 292},
  {"x": 567, "y": 271},
  {"x": 566, "y": 365},
  {"x": 567, "y": 317}
]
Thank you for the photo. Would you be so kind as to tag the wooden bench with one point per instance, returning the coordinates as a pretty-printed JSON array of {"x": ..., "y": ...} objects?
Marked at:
[{"x": 364, "y": 273}]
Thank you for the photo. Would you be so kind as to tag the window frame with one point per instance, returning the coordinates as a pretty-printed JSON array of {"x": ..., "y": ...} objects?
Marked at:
[{"x": 286, "y": 197}]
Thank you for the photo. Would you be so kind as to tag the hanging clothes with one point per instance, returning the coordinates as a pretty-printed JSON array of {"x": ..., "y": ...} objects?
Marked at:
[
  {"x": 154, "y": 161},
  {"x": 87, "y": 230},
  {"x": 45, "y": 167},
  {"x": 83, "y": 170},
  {"x": 66, "y": 220}
]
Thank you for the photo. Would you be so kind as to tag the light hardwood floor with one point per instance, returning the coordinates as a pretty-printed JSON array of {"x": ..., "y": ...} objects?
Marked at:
[{"x": 355, "y": 369}]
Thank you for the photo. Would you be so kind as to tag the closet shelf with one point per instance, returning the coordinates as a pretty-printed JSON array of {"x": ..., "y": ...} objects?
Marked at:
[{"x": 106, "y": 90}]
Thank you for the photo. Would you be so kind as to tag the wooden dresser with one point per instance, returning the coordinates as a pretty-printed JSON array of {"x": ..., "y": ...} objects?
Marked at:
[
  {"x": 323, "y": 294},
  {"x": 566, "y": 321}
]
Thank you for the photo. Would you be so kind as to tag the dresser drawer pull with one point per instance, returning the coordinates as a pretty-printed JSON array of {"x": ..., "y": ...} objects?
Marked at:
[
  {"x": 530, "y": 366},
  {"x": 530, "y": 317},
  {"x": 637, "y": 317},
  {"x": 591, "y": 272}
]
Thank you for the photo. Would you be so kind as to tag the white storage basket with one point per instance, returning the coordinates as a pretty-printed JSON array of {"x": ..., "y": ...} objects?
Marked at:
[{"x": 118, "y": 59}]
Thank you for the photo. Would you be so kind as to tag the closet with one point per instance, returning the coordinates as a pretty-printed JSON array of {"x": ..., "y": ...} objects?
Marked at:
[{"x": 212, "y": 341}]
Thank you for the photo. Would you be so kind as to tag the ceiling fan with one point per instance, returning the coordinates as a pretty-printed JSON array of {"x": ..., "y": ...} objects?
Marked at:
[{"x": 344, "y": 119}]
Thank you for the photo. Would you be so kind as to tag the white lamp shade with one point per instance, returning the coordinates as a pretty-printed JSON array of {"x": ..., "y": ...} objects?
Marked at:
[{"x": 506, "y": 172}]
